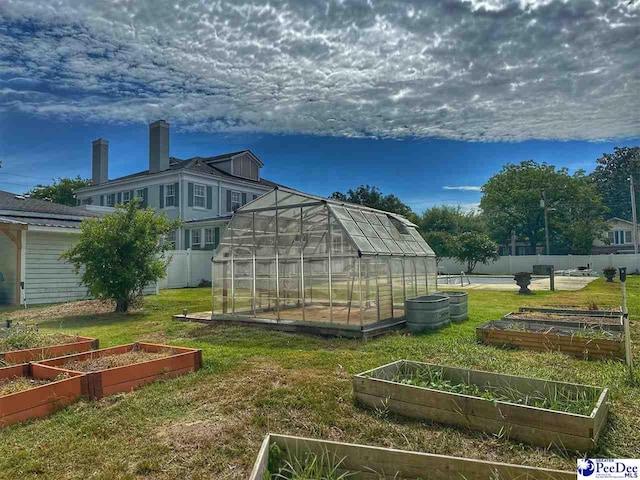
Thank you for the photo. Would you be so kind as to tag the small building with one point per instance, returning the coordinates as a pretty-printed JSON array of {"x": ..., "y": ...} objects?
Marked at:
[
  {"x": 33, "y": 234},
  {"x": 620, "y": 238},
  {"x": 299, "y": 262}
]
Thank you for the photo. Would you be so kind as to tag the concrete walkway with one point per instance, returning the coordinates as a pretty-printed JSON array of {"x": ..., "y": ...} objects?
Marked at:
[{"x": 539, "y": 284}]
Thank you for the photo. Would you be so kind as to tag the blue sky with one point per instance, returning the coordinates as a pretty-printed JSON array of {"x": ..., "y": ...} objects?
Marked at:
[{"x": 410, "y": 96}]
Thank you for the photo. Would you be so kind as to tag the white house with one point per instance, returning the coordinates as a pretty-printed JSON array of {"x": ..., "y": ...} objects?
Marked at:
[
  {"x": 33, "y": 234},
  {"x": 202, "y": 191},
  {"x": 620, "y": 237}
]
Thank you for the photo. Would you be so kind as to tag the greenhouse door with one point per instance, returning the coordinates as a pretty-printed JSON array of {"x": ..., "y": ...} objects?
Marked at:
[{"x": 384, "y": 288}]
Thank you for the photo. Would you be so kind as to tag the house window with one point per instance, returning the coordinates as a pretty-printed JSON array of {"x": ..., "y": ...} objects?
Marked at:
[
  {"x": 171, "y": 240},
  {"x": 620, "y": 237},
  {"x": 169, "y": 196},
  {"x": 210, "y": 238},
  {"x": 236, "y": 201},
  {"x": 199, "y": 196},
  {"x": 140, "y": 193},
  {"x": 196, "y": 239},
  {"x": 110, "y": 200},
  {"x": 86, "y": 201},
  {"x": 126, "y": 196}
]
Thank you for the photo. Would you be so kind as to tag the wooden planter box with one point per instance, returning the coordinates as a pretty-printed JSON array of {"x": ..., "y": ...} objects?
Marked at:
[
  {"x": 124, "y": 379},
  {"x": 82, "y": 344},
  {"x": 569, "y": 310},
  {"x": 42, "y": 400},
  {"x": 546, "y": 337},
  {"x": 537, "y": 426},
  {"x": 608, "y": 322},
  {"x": 370, "y": 463}
]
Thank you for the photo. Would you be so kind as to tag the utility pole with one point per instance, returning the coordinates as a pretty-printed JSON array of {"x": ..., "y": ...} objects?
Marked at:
[
  {"x": 634, "y": 218},
  {"x": 543, "y": 203}
]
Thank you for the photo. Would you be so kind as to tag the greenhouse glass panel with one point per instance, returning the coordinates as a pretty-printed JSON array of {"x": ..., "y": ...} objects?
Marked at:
[{"x": 290, "y": 258}]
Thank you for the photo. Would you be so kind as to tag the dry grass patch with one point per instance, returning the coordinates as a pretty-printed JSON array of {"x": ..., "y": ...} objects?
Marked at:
[
  {"x": 60, "y": 310},
  {"x": 19, "y": 384},
  {"x": 105, "y": 362}
]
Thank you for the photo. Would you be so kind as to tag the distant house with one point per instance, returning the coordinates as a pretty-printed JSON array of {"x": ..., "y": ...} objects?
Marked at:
[
  {"x": 202, "y": 191},
  {"x": 620, "y": 236},
  {"x": 33, "y": 234}
]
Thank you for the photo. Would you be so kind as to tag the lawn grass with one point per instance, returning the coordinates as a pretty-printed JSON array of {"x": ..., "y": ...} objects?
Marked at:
[{"x": 210, "y": 424}]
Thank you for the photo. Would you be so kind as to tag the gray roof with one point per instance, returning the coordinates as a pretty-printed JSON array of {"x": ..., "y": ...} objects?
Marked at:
[
  {"x": 21, "y": 203},
  {"x": 40, "y": 222},
  {"x": 202, "y": 165}
]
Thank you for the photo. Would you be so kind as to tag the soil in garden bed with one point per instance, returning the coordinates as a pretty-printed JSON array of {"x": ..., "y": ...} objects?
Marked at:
[
  {"x": 589, "y": 332},
  {"x": 558, "y": 317},
  {"x": 19, "y": 384},
  {"x": 105, "y": 362},
  {"x": 559, "y": 399},
  {"x": 20, "y": 337}
]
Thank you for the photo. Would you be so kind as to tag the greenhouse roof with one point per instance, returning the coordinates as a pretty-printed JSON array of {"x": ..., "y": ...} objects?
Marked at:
[{"x": 371, "y": 231}]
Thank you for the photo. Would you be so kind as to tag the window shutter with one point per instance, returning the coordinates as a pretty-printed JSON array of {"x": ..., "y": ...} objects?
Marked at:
[
  {"x": 216, "y": 237},
  {"x": 255, "y": 196},
  {"x": 176, "y": 193},
  {"x": 145, "y": 197},
  {"x": 161, "y": 196},
  {"x": 102, "y": 200},
  {"x": 209, "y": 198},
  {"x": 627, "y": 234},
  {"x": 187, "y": 239},
  {"x": 113, "y": 199},
  {"x": 190, "y": 194},
  {"x": 131, "y": 194},
  {"x": 244, "y": 199},
  {"x": 229, "y": 201},
  {"x": 119, "y": 197}
]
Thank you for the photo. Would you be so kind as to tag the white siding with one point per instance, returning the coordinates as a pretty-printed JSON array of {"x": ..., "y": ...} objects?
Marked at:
[
  {"x": 8, "y": 268},
  {"x": 47, "y": 278}
]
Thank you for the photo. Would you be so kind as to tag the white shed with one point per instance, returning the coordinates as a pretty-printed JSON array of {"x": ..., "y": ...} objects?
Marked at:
[{"x": 33, "y": 234}]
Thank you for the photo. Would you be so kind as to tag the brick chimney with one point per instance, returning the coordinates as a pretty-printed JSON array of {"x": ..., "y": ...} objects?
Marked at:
[
  {"x": 100, "y": 161},
  {"x": 158, "y": 146}
]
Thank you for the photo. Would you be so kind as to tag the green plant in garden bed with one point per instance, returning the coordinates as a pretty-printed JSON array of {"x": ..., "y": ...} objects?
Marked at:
[
  {"x": 593, "y": 332},
  {"x": 310, "y": 467},
  {"x": 21, "y": 336},
  {"x": 559, "y": 399}
]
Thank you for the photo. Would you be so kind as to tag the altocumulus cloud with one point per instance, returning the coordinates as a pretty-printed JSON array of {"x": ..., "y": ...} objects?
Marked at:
[
  {"x": 461, "y": 69},
  {"x": 463, "y": 188}
]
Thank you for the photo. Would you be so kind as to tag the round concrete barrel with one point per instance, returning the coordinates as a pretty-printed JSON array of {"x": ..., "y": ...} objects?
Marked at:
[
  {"x": 458, "y": 304},
  {"x": 429, "y": 312}
]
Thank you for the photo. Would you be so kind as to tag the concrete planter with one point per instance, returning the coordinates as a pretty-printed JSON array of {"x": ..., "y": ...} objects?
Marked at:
[
  {"x": 42, "y": 400},
  {"x": 538, "y": 426},
  {"x": 374, "y": 462},
  {"x": 124, "y": 379},
  {"x": 550, "y": 338},
  {"x": 82, "y": 344},
  {"x": 426, "y": 313}
]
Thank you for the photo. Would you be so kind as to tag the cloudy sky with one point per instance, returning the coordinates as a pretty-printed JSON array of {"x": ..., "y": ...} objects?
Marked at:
[{"x": 425, "y": 99}]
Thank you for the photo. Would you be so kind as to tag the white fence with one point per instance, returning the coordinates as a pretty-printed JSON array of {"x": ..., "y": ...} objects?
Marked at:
[
  {"x": 524, "y": 263},
  {"x": 187, "y": 268}
]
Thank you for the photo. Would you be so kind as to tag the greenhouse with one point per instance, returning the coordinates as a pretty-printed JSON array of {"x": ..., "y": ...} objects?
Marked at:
[{"x": 306, "y": 263}]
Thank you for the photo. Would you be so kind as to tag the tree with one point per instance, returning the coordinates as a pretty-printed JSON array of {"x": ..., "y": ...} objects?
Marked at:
[
  {"x": 511, "y": 201},
  {"x": 453, "y": 220},
  {"x": 61, "y": 191},
  {"x": 373, "y": 197},
  {"x": 120, "y": 254},
  {"x": 442, "y": 244},
  {"x": 611, "y": 177},
  {"x": 472, "y": 247}
]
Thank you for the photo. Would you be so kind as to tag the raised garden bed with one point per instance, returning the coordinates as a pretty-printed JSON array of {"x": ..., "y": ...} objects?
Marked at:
[
  {"x": 575, "y": 310},
  {"x": 374, "y": 463},
  {"x": 33, "y": 391},
  {"x": 539, "y": 412},
  {"x": 591, "y": 342},
  {"x": 613, "y": 323},
  {"x": 123, "y": 368},
  {"x": 23, "y": 345}
]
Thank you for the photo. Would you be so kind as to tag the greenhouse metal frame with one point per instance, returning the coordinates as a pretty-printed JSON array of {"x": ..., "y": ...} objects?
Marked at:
[{"x": 305, "y": 263}]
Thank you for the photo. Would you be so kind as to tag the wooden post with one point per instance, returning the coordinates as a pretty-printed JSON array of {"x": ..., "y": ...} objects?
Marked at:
[{"x": 19, "y": 278}]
